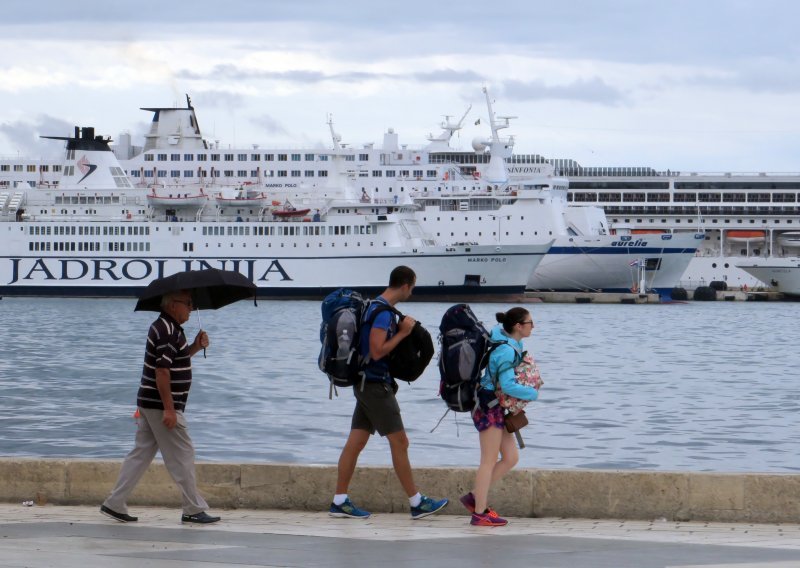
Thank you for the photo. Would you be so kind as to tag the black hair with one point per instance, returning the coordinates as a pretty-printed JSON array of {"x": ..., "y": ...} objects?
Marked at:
[
  {"x": 511, "y": 318},
  {"x": 402, "y": 275}
]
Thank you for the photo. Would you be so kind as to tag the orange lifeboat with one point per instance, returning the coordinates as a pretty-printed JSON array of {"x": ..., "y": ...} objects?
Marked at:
[
  {"x": 648, "y": 231},
  {"x": 739, "y": 236}
]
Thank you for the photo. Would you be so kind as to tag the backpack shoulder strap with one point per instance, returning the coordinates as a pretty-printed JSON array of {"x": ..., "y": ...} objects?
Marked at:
[
  {"x": 380, "y": 308},
  {"x": 517, "y": 357}
]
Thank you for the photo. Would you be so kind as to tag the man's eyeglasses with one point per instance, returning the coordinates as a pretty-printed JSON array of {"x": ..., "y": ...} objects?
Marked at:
[{"x": 187, "y": 303}]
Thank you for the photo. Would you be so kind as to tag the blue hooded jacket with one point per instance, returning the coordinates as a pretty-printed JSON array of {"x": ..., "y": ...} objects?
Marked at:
[{"x": 502, "y": 362}]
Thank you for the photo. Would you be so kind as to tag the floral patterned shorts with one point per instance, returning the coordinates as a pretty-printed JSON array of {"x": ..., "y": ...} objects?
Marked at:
[{"x": 492, "y": 417}]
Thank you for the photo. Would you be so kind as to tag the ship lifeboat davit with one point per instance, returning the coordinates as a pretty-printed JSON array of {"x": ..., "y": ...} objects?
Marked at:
[
  {"x": 790, "y": 239},
  {"x": 746, "y": 236}
]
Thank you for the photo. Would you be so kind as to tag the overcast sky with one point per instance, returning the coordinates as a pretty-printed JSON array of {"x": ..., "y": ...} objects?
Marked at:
[{"x": 700, "y": 85}]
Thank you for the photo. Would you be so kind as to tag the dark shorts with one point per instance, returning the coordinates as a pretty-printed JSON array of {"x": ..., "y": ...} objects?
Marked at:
[
  {"x": 484, "y": 418},
  {"x": 376, "y": 409}
]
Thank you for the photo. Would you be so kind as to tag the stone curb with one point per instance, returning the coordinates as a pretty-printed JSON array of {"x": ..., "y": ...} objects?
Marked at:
[{"x": 675, "y": 496}]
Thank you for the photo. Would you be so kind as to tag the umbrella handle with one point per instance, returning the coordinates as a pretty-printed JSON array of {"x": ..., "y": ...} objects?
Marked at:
[{"x": 200, "y": 323}]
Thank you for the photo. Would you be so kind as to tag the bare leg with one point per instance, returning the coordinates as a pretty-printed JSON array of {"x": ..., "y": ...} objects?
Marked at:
[
  {"x": 398, "y": 442},
  {"x": 490, "y": 440},
  {"x": 348, "y": 459},
  {"x": 509, "y": 456}
]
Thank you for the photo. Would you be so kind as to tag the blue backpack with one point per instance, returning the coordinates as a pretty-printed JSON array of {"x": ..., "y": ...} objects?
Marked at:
[
  {"x": 343, "y": 313},
  {"x": 339, "y": 359},
  {"x": 466, "y": 346}
]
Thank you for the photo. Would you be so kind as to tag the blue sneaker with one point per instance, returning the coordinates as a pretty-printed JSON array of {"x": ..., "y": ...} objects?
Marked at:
[
  {"x": 427, "y": 507},
  {"x": 348, "y": 510}
]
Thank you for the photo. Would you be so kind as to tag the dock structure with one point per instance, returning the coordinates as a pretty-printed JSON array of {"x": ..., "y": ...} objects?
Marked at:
[
  {"x": 650, "y": 298},
  {"x": 592, "y": 297}
]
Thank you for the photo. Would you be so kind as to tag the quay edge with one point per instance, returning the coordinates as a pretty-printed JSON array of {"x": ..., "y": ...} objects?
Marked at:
[{"x": 617, "y": 494}]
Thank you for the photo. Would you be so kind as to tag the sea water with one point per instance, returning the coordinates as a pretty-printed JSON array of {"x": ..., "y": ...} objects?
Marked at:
[{"x": 700, "y": 386}]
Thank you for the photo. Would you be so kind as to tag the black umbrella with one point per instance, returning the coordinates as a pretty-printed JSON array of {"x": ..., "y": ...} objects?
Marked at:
[{"x": 211, "y": 289}]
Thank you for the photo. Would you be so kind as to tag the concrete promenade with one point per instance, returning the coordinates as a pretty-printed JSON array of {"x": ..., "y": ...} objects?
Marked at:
[
  {"x": 79, "y": 537},
  {"x": 275, "y": 515}
]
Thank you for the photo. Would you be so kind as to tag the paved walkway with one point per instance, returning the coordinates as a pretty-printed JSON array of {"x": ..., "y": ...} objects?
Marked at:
[{"x": 69, "y": 537}]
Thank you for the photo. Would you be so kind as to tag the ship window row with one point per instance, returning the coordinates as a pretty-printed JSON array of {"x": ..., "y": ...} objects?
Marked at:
[
  {"x": 702, "y": 209},
  {"x": 30, "y": 168},
  {"x": 288, "y": 230},
  {"x": 681, "y": 197},
  {"x": 255, "y": 174},
  {"x": 733, "y": 185},
  {"x": 571, "y": 168},
  {"x": 86, "y": 199},
  {"x": 459, "y": 158},
  {"x": 214, "y": 157},
  {"x": 621, "y": 185},
  {"x": 81, "y": 230},
  {"x": 87, "y": 246}
]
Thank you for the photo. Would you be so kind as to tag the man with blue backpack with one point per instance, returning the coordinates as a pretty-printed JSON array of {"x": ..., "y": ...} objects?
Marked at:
[{"x": 376, "y": 405}]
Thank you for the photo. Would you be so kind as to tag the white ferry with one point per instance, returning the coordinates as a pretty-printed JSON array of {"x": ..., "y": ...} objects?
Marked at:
[
  {"x": 95, "y": 234},
  {"x": 462, "y": 198},
  {"x": 747, "y": 218},
  {"x": 783, "y": 274}
]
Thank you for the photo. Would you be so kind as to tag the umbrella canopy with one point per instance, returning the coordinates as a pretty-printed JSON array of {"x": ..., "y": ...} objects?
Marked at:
[{"x": 211, "y": 289}]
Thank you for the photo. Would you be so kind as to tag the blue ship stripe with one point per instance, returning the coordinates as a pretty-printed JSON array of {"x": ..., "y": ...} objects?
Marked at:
[{"x": 629, "y": 251}]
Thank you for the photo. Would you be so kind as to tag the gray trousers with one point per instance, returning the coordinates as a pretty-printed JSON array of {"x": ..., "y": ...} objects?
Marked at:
[{"x": 178, "y": 453}]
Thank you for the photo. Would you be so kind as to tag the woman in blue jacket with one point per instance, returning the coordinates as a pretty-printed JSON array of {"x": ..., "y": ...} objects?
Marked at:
[{"x": 514, "y": 325}]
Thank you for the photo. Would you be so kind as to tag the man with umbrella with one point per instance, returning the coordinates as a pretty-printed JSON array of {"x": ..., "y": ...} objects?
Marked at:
[
  {"x": 161, "y": 400},
  {"x": 165, "y": 383}
]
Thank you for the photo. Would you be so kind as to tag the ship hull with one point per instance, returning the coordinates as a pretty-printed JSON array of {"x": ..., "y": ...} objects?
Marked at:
[
  {"x": 783, "y": 274},
  {"x": 611, "y": 264},
  {"x": 295, "y": 269}
]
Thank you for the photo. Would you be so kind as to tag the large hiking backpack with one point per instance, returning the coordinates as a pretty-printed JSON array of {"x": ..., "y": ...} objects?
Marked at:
[
  {"x": 466, "y": 346},
  {"x": 343, "y": 318},
  {"x": 342, "y": 312}
]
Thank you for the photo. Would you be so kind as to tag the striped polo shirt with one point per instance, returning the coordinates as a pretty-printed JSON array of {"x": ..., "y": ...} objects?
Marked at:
[{"x": 166, "y": 348}]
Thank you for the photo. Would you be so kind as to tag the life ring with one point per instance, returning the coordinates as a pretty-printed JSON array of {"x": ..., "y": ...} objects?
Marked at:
[
  {"x": 476, "y": 175},
  {"x": 128, "y": 216}
]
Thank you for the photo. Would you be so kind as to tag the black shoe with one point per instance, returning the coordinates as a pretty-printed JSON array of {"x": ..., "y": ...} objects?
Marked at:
[
  {"x": 202, "y": 518},
  {"x": 121, "y": 517}
]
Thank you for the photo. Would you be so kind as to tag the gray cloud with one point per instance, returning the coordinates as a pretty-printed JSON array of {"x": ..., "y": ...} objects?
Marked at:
[
  {"x": 269, "y": 125},
  {"x": 449, "y": 76},
  {"x": 593, "y": 90},
  {"x": 24, "y": 136},
  {"x": 218, "y": 99},
  {"x": 232, "y": 72},
  {"x": 683, "y": 31},
  {"x": 762, "y": 76}
]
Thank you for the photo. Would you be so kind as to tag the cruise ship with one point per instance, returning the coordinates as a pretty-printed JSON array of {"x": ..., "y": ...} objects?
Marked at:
[
  {"x": 462, "y": 197},
  {"x": 94, "y": 233}
]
